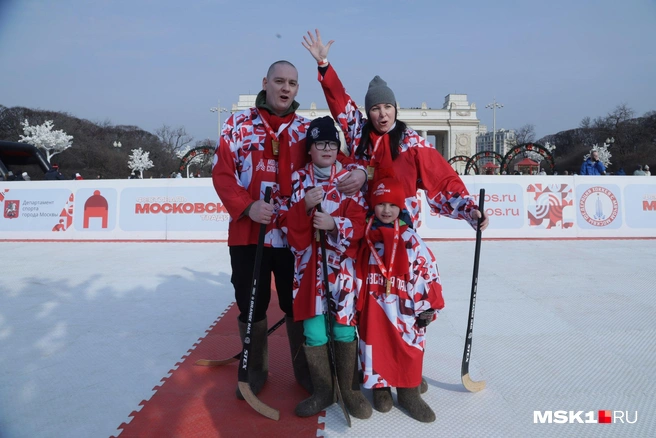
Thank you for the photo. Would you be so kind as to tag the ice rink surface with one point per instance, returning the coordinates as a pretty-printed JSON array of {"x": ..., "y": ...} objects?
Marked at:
[{"x": 88, "y": 329}]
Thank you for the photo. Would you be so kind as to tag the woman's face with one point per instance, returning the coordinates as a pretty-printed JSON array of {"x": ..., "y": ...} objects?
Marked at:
[{"x": 382, "y": 116}]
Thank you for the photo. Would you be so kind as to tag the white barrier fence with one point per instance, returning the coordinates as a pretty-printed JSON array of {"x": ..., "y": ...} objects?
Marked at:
[{"x": 543, "y": 207}]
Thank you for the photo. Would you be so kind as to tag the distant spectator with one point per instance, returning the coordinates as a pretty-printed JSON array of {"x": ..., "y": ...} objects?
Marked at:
[
  {"x": 26, "y": 177},
  {"x": 621, "y": 171},
  {"x": 78, "y": 176},
  {"x": 593, "y": 165},
  {"x": 565, "y": 172},
  {"x": 11, "y": 176},
  {"x": 134, "y": 175},
  {"x": 646, "y": 170},
  {"x": 639, "y": 171},
  {"x": 53, "y": 173},
  {"x": 178, "y": 175}
]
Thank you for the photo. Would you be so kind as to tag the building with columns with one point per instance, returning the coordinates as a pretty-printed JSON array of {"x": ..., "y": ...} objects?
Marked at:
[{"x": 451, "y": 129}]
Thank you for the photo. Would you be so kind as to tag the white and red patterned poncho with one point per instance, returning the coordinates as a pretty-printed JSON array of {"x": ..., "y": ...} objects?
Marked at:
[
  {"x": 349, "y": 213},
  {"x": 245, "y": 164},
  {"x": 391, "y": 343},
  {"x": 418, "y": 167}
]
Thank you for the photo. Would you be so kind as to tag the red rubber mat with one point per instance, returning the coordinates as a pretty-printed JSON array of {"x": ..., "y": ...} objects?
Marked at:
[{"x": 196, "y": 401}]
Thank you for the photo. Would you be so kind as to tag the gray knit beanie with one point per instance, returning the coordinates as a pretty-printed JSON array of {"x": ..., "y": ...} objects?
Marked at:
[{"x": 378, "y": 92}]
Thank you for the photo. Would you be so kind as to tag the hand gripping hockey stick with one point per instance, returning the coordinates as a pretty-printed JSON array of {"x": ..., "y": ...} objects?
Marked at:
[{"x": 468, "y": 383}]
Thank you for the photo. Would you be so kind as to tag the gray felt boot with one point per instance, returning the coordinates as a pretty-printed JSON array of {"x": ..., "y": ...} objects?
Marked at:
[
  {"x": 322, "y": 382},
  {"x": 258, "y": 362},
  {"x": 346, "y": 358},
  {"x": 299, "y": 362},
  {"x": 424, "y": 385},
  {"x": 410, "y": 400},
  {"x": 383, "y": 399}
]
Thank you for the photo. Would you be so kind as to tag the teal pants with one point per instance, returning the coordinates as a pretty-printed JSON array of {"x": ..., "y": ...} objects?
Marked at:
[{"x": 316, "y": 331}]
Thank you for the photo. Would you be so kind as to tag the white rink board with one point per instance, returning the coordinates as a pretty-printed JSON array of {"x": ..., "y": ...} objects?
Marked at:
[{"x": 520, "y": 207}]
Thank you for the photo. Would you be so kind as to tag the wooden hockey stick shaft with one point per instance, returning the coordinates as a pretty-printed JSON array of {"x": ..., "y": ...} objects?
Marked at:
[
  {"x": 467, "y": 382},
  {"x": 331, "y": 308},
  {"x": 244, "y": 386},
  {"x": 235, "y": 358}
]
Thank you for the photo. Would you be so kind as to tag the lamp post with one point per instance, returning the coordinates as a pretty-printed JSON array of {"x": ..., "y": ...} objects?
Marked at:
[
  {"x": 117, "y": 144},
  {"x": 217, "y": 109},
  {"x": 494, "y": 105},
  {"x": 610, "y": 141}
]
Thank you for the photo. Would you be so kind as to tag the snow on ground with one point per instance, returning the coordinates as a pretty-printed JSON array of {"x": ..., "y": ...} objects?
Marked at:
[{"x": 88, "y": 329}]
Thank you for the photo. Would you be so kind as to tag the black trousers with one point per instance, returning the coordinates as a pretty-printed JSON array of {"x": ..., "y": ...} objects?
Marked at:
[{"x": 280, "y": 261}]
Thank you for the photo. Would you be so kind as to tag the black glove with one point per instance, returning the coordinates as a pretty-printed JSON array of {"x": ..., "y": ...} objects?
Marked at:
[{"x": 425, "y": 318}]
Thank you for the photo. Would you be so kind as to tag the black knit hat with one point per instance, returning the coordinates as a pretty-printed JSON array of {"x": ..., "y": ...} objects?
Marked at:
[
  {"x": 378, "y": 92},
  {"x": 321, "y": 129}
]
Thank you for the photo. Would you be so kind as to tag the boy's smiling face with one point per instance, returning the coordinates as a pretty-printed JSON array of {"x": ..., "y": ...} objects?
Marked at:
[
  {"x": 386, "y": 212},
  {"x": 323, "y": 158}
]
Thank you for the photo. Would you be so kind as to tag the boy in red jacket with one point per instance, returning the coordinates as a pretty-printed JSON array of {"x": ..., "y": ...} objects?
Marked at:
[{"x": 342, "y": 220}]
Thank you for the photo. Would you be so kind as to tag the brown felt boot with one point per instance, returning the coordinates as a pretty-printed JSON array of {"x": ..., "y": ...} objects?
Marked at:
[
  {"x": 346, "y": 360},
  {"x": 322, "y": 382},
  {"x": 410, "y": 400},
  {"x": 383, "y": 399},
  {"x": 299, "y": 362},
  {"x": 258, "y": 362}
]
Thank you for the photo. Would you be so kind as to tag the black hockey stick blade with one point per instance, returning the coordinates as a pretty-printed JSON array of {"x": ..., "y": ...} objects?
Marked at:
[
  {"x": 331, "y": 345},
  {"x": 469, "y": 384},
  {"x": 244, "y": 386},
  {"x": 235, "y": 358}
]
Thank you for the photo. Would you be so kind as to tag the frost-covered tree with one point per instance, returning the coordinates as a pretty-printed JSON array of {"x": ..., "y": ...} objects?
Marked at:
[
  {"x": 139, "y": 161},
  {"x": 43, "y": 137}
]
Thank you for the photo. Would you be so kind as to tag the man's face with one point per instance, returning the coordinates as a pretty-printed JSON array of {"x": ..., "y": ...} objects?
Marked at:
[
  {"x": 281, "y": 87},
  {"x": 595, "y": 155}
]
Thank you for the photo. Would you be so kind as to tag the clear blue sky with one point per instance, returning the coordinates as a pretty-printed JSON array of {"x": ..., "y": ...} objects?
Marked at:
[{"x": 155, "y": 62}]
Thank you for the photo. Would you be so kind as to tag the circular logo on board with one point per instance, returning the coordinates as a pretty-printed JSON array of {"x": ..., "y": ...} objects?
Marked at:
[{"x": 598, "y": 206}]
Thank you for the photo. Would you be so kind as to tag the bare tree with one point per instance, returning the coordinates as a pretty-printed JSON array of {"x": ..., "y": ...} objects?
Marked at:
[
  {"x": 173, "y": 139},
  {"x": 586, "y": 123},
  {"x": 525, "y": 134}
]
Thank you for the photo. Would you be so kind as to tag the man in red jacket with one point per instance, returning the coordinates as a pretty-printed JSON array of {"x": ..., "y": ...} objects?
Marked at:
[{"x": 260, "y": 147}]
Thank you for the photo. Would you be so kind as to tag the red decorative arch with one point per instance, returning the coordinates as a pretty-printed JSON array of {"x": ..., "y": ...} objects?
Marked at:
[
  {"x": 472, "y": 163},
  {"x": 527, "y": 147}
]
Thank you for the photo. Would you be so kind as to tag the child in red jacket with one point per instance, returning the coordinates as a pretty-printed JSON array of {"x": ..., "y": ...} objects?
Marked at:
[
  {"x": 400, "y": 292},
  {"x": 341, "y": 218}
]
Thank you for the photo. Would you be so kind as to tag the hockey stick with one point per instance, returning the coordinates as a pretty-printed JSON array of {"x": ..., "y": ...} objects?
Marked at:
[
  {"x": 244, "y": 387},
  {"x": 235, "y": 358},
  {"x": 468, "y": 383},
  {"x": 331, "y": 306}
]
